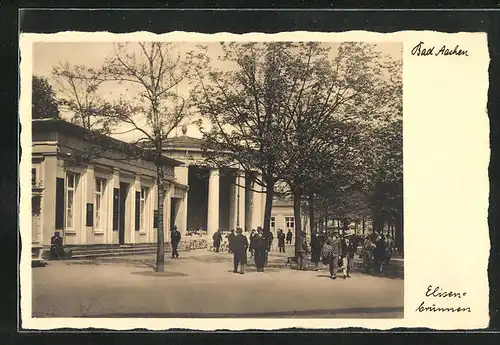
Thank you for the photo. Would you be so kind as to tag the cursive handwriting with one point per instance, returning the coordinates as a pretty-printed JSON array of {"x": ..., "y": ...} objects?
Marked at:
[
  {"x": 438, "y": 292},
  {"x": 420, "y": 50},
  {"x": 423, "y": 308}
]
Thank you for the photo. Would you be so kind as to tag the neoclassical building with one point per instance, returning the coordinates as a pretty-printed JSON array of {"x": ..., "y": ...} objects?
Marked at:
[
  {"x": 224, "y": 198},
  {"x": 113, "y": 199}
]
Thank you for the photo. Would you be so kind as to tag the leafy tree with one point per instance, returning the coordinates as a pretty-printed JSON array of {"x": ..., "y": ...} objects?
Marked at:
[
  {"x": 354, "y": 88},
  {"x": 242, "y": 103},
  {"x": 44, "y": 103}
]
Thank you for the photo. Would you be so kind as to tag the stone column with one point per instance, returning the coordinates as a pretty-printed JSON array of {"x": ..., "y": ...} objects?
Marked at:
[
  {"x": 240, "y": 200},
  {"x": 113, "y": 183},
  {"x": 232, "y": 203},
  {"x": 166, "y": 213},
  {"x": 182, "y": 175},
  {"x": 213, "y": 203},
  {"x": 134, "y": 187},
  {"x": 256, "y": 205}
]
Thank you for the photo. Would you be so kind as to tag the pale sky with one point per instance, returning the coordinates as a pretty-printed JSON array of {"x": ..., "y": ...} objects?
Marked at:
[{"x": 47, "y": 55}]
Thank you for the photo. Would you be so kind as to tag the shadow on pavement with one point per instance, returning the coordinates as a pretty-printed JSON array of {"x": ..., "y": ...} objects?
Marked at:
[
  {"x": 329, "y": 313},
  {"x": 161, "y": 274}
]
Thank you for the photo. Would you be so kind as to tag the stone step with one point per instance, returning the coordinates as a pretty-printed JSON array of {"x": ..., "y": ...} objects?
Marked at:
[
  {"x": 94, "y": 255},
  {"x": 106, "y": 250}
]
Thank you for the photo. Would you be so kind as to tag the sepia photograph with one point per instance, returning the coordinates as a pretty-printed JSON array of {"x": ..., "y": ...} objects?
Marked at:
[{"x": 217, "y": 179}]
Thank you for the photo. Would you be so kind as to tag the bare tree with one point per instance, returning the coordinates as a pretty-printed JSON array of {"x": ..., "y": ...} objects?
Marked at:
[{"x": 150, "y": 106}]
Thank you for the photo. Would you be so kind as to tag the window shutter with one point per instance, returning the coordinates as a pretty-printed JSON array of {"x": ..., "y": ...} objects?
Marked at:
[
  {"x": 59, "y": 203},
  {"x": 155, "y": 219},
  {"x": 116, "y": 207},
  {"x": 137, "y": 211}
]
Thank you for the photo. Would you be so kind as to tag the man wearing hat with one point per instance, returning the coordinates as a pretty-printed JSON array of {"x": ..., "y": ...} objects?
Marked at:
[
  {"x": 348, "y": 249},
  {"x": 239, "y": 248}
]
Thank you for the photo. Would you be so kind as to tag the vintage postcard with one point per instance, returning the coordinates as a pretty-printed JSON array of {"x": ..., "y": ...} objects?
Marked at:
[{"x": 256, "y": 181}]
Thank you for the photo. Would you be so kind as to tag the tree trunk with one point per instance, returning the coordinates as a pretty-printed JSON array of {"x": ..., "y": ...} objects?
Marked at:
[
  {"x": 378, "y": 222},
  {"x": 297, "y": 198},
  {"x": 269, "y": 202},
  {"x": 312, "y": 223},
  {"x": 364, "y": 226},
  {"x": 326, "y": 216},
  {"x": 160, "y": 246}
]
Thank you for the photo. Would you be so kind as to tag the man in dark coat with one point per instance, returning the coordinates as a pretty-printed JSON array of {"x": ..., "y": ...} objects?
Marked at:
[
  {"x": 259, "y": 246},
  {"x": 270, "y": 238},
  {"x": 217, "y": 237},
  {"x": 176, "y": 238},
  {"x": 253, "y": 233},
  {"x": 239, "y": 248},
  {"x": 316, "y": 249},
  {"x": 230, "y": 239},
  {"x": 289, "y": 237},
  {"x": 56, "y": 246},
  {"x": 281, "y": 240}
]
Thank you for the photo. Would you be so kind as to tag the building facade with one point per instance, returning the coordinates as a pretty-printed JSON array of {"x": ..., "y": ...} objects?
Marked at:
[
  {"x": 111, "y": 200},
  {"x": 223, "y": 198}
]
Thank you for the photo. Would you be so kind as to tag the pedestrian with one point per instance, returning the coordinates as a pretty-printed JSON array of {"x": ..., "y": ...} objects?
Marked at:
[
  {"x": 379, "y": 253},
  {"x": 329, "y": 255},
  {"x": 289, "y": 237},
  {"x": 302, "y": 252},
  {"x": 316, "y": 249},
  {"x": 281, "y": 240},
  {"x": 217, "y": 237},
  {"x": 176, "y": 238},
  {"x": 270, "y": 238},
  {"x": 367, "y": 253},
  {"x": 348, "y": 250},
  {"x": 260, "y": 250},
  {"x": 56, "y": 246},
  {"x": 253, "y": 233},
  {"x": 230, "y": 239},
  {"x": 239, "y": 248}
]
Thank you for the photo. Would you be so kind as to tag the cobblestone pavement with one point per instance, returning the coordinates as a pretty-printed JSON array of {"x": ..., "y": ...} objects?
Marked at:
[{"x": 200, "y": 284}]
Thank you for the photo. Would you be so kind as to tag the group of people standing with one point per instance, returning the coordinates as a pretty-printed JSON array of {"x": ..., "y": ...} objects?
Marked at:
[
  {"x": 259, "y": 245},
  {"x": 339, "y": 250}
]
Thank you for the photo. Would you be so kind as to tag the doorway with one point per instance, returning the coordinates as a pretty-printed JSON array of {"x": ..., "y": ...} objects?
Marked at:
[{"x": 121, "y": 222}]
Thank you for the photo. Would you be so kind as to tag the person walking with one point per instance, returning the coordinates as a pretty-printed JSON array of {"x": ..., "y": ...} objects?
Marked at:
[
  {"x": 316, "y": 249},
  {"x": 302, "y": 252},
  {"x": 176, "y": 238},
  {"x": 217, "y": 238},
  {"x": 270, "y": 238},
  {"x": 239, "y": 248},
  {"x": 253, "y": 233},
  {"x": 348, "y": 245},
  {"x": 260, "y": 250},
  {"x": 329, "y": 255},
  {"x": 379, "y": 253},
  {"x": 230, "y": 239},
  {"x": 367, "y": 253},
  {"x": 281, "y": 240},
  {"x": 289, "y": 237}
]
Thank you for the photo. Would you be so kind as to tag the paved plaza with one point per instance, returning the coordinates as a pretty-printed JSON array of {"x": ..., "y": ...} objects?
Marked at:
[{"x": 200, "y": 284}]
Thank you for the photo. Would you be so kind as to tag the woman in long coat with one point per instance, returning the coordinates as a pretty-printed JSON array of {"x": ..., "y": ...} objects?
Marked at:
[
  {"x": 316, "y": 249},
  {"x": 259, "y": 246}
]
